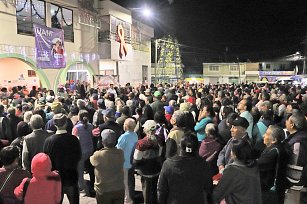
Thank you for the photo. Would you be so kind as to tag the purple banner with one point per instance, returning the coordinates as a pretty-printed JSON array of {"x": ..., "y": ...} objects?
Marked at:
[{"x": 49, "y": 47}]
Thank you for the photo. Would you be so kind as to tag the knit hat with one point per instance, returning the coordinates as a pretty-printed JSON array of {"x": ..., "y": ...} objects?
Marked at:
[
  {"x": 56, "y": 107},
  {"x": 108, "y": 137},
  {"x": 60, "y": 119}
]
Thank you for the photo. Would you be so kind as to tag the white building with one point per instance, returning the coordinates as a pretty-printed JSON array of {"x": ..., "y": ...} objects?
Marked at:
[{"x": 91, "y": 42}]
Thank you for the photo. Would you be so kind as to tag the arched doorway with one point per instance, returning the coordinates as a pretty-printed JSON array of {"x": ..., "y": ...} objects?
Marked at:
[
  {"x": 18, "y": 70},
  {"x": 76, "y": 70}
]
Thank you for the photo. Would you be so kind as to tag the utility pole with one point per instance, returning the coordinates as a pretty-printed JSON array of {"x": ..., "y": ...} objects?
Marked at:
[
  {"x": 156, "y": 59},
  {"x": 239, "y": 70}
]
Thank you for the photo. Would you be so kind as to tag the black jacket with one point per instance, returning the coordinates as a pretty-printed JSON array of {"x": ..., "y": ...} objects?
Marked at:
[{"x": 184, "y": 180}]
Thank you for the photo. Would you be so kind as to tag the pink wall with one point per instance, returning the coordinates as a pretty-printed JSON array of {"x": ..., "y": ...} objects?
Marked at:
[{"x": 14, "y": 72}]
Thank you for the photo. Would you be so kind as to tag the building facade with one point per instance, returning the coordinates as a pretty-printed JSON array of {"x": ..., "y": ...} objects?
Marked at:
[
  {"x": 91, "y": 41},
  {"x": 246, "y": 72}
]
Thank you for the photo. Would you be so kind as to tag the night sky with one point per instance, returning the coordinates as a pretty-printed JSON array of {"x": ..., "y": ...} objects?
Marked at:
[{"x": 227, "y": 30}]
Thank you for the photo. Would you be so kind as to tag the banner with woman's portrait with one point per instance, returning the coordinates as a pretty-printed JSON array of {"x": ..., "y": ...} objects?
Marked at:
[{"x": 49, "y": 47}]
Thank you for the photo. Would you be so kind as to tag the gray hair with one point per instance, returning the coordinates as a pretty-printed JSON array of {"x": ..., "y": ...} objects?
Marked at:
[
  {"x": 36, "y": 122},
  {"x": 299, "y": 121},
  {"x": 268, "y": 104},
  {"x": 81, "y": 103},
  {"x": 178, "y": 117},
  {"x": 210, "y": 129},
  {"x": 277, "y": 133},
  {"x": 27, "y": 116},
  {"x": 11, "y": 111}
]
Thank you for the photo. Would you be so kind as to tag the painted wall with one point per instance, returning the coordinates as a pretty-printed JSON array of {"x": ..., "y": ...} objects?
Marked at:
[{"x": 19, "y": 77}]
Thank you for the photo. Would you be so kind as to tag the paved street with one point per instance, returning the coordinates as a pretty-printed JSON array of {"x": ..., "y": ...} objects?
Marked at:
[{"x": 88, "y": 200}]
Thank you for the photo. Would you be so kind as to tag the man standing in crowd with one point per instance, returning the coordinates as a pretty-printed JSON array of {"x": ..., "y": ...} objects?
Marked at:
[
  {"x": 65, "y": 152},
  {"x": 238, "y": 130},
  {"x": 127, "y": 142},
  {"x": 34, "y": 142},
  {"x": 244, "y": 107},
  {"x": 157, "y": 105},
  {"x": 111, "y": 90},
  {"x": 297, "y": 168},
  {"x": 108, "y": 163}
]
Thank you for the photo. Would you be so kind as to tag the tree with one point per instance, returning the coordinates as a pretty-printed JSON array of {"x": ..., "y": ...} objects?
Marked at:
[{"x": 169, "y": 62}]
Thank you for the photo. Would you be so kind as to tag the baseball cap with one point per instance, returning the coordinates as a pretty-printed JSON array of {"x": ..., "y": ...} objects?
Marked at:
[
  {"x": 240, "y": 121},
  {"x": 157, "y": 94},
  {"x": 109, "y": 113},
  {"x": 108, "y": 137},
  {"x": 169, "y": 109},
  {"x": 150, "y": 125}
]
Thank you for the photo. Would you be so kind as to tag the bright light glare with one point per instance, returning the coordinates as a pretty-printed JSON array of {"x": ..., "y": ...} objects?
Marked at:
[{"x": 147, "y": 12}]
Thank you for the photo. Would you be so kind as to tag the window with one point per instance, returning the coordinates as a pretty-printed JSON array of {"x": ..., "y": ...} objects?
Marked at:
[
  {"x": 62, "y": 18},
  {"x": 107, "y": 72},
  {"x": 29, "y": 12},
  {"x": 214, "y": 68},
  {"x": 267, "y": 66},
  {"x": 234, "y": 68},
  {"x": 31, "y": 73}
]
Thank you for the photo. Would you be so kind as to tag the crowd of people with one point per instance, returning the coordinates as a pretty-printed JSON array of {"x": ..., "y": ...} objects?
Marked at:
[{"x": 190, "y": 143}]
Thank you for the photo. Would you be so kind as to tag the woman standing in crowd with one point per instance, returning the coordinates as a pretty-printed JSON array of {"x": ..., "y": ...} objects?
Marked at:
[
  {"x": 10, "y": 174},
  {"x": 240, "y": 182},
  {"x": 210, "y": 148},
  {"x": 185, "y": 178},
  {"x": 146, "y": 159},
  {"x": 205, "y": 116},
  {"x": 83, "y": 130},
  {"x": 44, "y": 187},
  {"x": 272, "y": 165}
]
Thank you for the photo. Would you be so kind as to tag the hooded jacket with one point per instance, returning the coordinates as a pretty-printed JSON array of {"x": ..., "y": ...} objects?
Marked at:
[{"x": 45, "y": 186}]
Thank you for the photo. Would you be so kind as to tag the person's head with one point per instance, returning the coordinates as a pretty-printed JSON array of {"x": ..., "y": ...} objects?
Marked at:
[
  {"x": 36, "y": 122},
  {"x": 11, "y": 111},
  {"x": 266, "y": 105},
  {"x": 41, "y": 164},
  {"x": 189, "y": 145},
  {"x": 159, "y": 117},
  {"x": 296, "y": 122},
  {"x": 210, "y": 130},
  {"x": 27, "y": 116},
  {"x": 83, "y": 116},
  {"x": 274, "y": 134},
  {"x": 238, "y": 128},
  {"x": 208, "y": 111},
  {"x": 23, "y": 129},
  {"x": 169, "y": 109},
  {"x": 178, "y": 118},
  {"x": 226, "y": 111},
  {"x": 125, "y": 110},
  {"x": 244, "y": 105},
  {"x": 149, "y": 127},
  {"x": 108, "y": 138},
  {"x": 242, "y": 151},
  {"x": 56, "y": 107},
  {"x": 129, "y": 124},
  {"x": 81, "y": 104},
  {"x": 108, "y": 114},
  {"x": 60, "y": 121},
  {"x": 9, "y": 156}
]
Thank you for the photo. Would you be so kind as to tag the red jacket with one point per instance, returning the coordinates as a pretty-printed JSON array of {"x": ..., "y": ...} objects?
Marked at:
[{"x": 45, "y": 186}]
